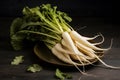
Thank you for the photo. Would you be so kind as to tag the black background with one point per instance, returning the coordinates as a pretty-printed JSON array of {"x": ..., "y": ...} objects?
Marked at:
[
  {"x": 83, "y": 12},
  {"x": 94, "y": 8}
]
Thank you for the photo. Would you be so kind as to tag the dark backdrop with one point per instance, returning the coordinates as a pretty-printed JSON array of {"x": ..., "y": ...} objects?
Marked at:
[{"x": 94, "y": 8}]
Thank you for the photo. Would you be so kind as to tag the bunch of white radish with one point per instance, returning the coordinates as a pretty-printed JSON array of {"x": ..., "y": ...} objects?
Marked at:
[
  {"x": 78, "y": 50},
  {"x": 45, "y": 23}
]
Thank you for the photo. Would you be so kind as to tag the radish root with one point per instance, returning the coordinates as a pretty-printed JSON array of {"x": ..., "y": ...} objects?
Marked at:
[{"x": 77, "y": 50}]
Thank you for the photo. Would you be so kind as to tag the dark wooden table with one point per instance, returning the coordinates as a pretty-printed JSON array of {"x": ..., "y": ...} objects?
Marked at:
[{"x": 94, "y": 25}]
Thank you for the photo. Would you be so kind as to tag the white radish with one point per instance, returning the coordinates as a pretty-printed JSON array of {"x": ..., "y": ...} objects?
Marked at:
[
  {"x": 73, "y": 54},
  {"x": 59, "y": 47},
  {"x": 66, "y": 58},
  {"x": 86, "y": 50},
  {"x": 61, "y": 56},
  {"x": 68, "y": 42},
  {"x": 76, "y": 36}
]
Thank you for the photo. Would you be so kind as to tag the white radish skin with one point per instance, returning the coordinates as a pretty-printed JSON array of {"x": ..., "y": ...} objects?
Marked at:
[
  {"x": 59, "y": 47},
  {"x": 81, "y": 56},
  {"x": 61, "y": 56},
  {"x": 86, "y": 50},
  {"x": 65, "y": 45},
  {"x": 84, "y": 47},
  {"x": 75, "y": 51},
  {"x": 73, "y": 47},
  {"x": 80, "y": 39},
  {"x": 70, "y": 44}
]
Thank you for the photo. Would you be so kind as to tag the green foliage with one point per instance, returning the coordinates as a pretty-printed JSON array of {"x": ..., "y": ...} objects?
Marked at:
[
  {"x": 41, "y": 23},
  {"x": 17, "y": 60},
  {"x": 34, "y": 68},
  {"x": 61, "y": 75}
]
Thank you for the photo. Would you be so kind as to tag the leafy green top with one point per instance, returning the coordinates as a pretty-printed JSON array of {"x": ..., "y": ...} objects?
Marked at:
[{"x": 41, "y": 23}]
